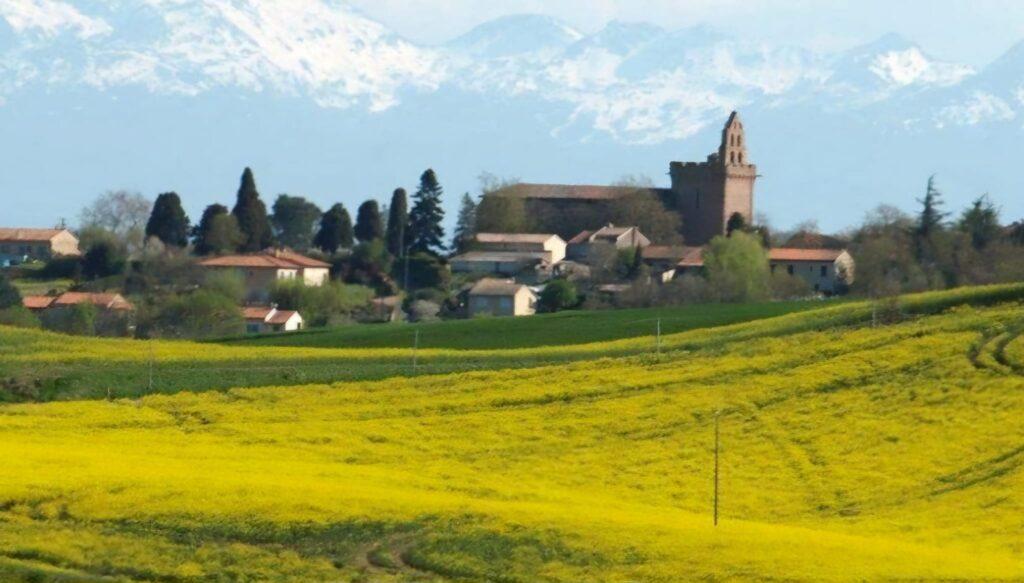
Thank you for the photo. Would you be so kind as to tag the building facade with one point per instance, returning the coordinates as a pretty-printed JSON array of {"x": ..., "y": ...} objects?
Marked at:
[
  {"x": 496, "y": 297},
  {"x": 260, "y": 271},
  {"x": 21, "y": 245},
  {"x": 709, "y": 193},
  {"x": 706, "y": 194}
]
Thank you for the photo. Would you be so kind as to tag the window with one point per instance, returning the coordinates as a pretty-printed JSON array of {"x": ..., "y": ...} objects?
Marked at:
[
  {"x": 732, "y": 157},
  {"x": 505, "y": 304},
  {"x": 789, "y": 269},
  {"x": 773, "y": 268},
  {"x": 252, "y": 328},
  {"x": 824, "y": 271},
  {"x": 741, "y": 157}
]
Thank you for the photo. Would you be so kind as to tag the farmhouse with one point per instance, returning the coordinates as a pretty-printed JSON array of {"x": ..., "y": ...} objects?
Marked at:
[
  {"x": 527, "y": 254},
  {"x": 706, "y": 194},
  {"x": 498, "y": 297},
  {"x": 20, "y": 245},
  {"x": 264, "y": 319},
  {"x": 261, "y": 270},
  {"x": 826, "y": 270}
]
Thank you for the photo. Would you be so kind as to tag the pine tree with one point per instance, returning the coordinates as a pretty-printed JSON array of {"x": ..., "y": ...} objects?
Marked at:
[
  {"x": 398, "y": 219},
  {"x": 465, "y": 225},
  {"x": 251, "y": 214},
  {"x": 168, "y": 221},
  {"x": 981, "y": 222},
  {"x": 368, "y": 222},
  {"x": 335, "y": 230},
  {"x": 426, "y": 234},
  {"x": 217, "y": 231}
]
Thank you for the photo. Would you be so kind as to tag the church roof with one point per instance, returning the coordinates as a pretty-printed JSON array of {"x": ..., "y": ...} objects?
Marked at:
[{"x": 571, "y": 191}]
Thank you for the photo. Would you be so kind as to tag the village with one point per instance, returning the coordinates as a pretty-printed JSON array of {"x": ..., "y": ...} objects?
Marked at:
[{"x": 516, "y": 271}]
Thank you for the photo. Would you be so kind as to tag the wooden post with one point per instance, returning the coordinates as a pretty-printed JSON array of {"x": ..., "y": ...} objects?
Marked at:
[
  {"x": 716, "y": 469},
  {"x": 659, "y": 336},
  {"x": 415, "y": 348}
]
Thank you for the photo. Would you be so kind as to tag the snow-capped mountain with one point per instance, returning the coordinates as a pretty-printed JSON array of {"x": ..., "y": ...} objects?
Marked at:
[{"x": 289, "y": 81}]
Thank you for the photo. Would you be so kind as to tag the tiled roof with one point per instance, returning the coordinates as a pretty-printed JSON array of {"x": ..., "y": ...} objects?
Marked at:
[
  {"x": 37, "y": 302},
  {"x": 27, "y": 235},
  {"x": 692, "y": 257},
  {"x": 267, "y": 259},
  {"x": 807, "y": 240},
  {"x": 666, "y": 252},
  {"x": 513, "y": 237},
  {"x": 792, "y": 254},
  {"x": 571, "y": 191},
  {"x": 495, "y": 287},
  {"x": 611, "y": 232},
  {"x": 256, "y": 312},
  {"x": 281, "y": 317},
  {"x": 502, "y": 256},
  {"x": 583, "y": 237},
  {"x": 101, "y": 300}
]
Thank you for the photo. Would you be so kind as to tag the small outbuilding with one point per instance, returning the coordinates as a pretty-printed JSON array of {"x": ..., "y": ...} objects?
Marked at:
[
  {"x": 267, "y": 319},
  {"x": 501, "y": 297}
]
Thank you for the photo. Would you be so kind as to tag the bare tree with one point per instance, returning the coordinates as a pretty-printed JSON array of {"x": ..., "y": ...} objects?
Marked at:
[{"x": 120, "y": 212}]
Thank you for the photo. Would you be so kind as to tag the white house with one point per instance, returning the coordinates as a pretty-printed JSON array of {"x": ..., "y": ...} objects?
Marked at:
[
  {"x": 261, "y": 270},
  {"x": 522, "y": 242},
  {"x": 264, "y": 319},
  {"x": 498, "y": 297}
]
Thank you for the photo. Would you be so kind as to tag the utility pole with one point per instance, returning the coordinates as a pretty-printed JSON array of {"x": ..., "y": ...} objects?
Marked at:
[{"x": 716, "y": 468}]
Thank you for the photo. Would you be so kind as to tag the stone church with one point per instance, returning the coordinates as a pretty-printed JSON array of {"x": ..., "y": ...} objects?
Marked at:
[{"x": 706, "y": 194}]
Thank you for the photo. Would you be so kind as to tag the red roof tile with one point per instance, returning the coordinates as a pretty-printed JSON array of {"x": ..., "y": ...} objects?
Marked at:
[
  {"x": 108, "y": 301},
  {"x": 268, "y": 259},
  {"x": 793, "y": 254},
  {"x": 571, "y": 191},
  {"x": 37, "y": 302},
  {"x": 29, "y": 235}
]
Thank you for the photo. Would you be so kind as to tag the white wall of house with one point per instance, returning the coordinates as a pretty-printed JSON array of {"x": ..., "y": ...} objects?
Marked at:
[
  {"x": 822, "y": 276},
  {"x": 316, "y": 276},
  {"x": 522, "y": 303}
]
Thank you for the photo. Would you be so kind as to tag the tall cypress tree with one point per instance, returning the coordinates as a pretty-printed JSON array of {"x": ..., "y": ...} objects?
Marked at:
[
  {"x": 426, "y": 234},
  {"x": 398, "y": 218},
  {"x": 252, "y": 216},
  {"x": 368, "y": 222},
  {"x": 335, "y": 230},
  {"x": 930, "y": 220},
  {"x": 168, "y": 221},
  {"x": 465, "y": 225}
]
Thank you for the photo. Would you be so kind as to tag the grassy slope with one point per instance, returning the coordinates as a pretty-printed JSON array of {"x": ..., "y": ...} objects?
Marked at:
[
  {"x": 856, "y": 454},
  {"x": 41, "y": 366},
  {"x": 574, "y": 327}
]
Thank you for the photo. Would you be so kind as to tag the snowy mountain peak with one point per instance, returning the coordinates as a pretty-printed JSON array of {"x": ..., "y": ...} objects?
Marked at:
[{"x": 515, "y": 35}]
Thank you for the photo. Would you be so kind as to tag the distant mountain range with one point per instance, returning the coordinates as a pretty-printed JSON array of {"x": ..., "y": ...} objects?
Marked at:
[{"x": 324, "y": 102}]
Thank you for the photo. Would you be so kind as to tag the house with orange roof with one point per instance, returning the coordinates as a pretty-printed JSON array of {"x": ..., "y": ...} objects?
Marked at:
[
  {"x": 261, "y": 270},
  {"x": 19, "y": 245},
  {"x": 267, "y": 319},
  {"x": 826, "y": 270}
]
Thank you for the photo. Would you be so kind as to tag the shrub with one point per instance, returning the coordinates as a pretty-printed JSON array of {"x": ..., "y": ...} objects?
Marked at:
[
  {"x": 320, "y": 305},
  {"x": 424, "y": 311},
  {"x": 558, "y": 294},
  {"x": 737, "y": 268},
  {"x": 19, "y": 317}
]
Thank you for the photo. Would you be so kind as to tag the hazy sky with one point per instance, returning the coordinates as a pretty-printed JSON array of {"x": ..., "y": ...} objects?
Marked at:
[{"x": 968, "y": 31}]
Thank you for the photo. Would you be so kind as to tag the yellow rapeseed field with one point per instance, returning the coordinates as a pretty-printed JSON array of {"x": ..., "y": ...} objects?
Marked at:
[{"x": 847, "y": 453}]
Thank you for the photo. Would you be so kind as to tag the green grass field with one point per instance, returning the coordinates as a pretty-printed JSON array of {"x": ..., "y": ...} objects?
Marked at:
[
  {"x": 572, "y": 327},
  {"x": 847, "y": 452}
]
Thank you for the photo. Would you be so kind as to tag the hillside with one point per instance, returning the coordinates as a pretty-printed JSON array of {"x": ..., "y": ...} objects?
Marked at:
[
  {"x": 44, "y": 366},
  {"x": 847, "y": 452},
  {"x": 573, "y": 327}
]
